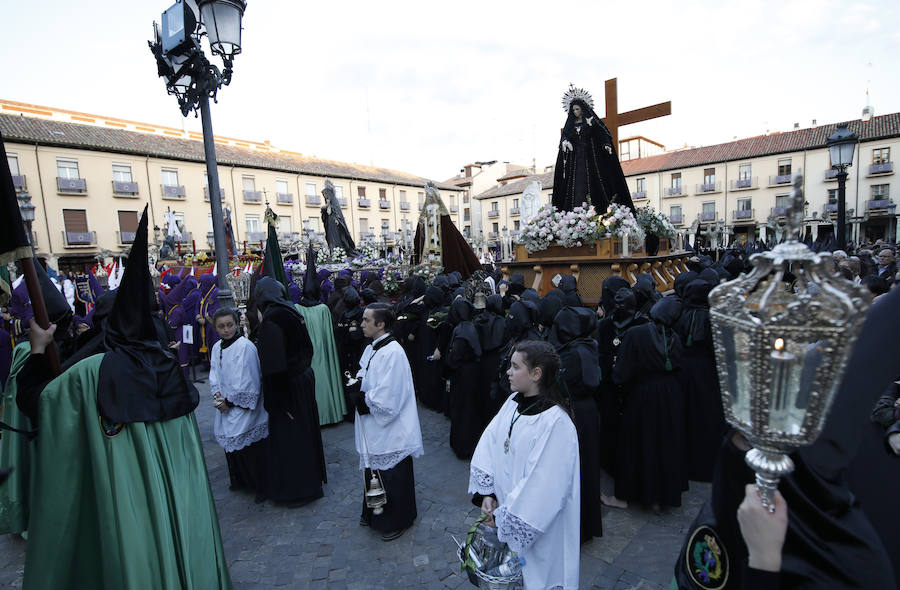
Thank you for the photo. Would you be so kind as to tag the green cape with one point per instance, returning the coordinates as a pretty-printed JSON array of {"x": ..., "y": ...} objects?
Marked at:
[
  {"x": 325, "y": 364},
  {"x": 15, "y": 451},
  {"x": 127, "y": 510}
]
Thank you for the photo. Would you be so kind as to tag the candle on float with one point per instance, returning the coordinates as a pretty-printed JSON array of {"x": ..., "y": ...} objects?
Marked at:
[{"x": 782, "y": 363}]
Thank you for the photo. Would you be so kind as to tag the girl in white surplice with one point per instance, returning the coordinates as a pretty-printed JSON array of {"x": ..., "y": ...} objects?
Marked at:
[
  {"x": 241, "y": 424},
  {"x": 525, "y": 471}
]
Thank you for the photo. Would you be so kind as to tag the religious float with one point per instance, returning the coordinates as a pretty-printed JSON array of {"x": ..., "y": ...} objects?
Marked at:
[{"x": 591, "y": 228}]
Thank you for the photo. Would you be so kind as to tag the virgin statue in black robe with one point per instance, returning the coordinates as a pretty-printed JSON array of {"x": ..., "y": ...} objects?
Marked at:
[
  {"x": 587, "y": 167},
  {"x": 336, "y": 231}
]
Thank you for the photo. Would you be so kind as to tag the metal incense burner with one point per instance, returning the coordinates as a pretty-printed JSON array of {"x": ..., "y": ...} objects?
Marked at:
[{"x": 781, "y": 348}]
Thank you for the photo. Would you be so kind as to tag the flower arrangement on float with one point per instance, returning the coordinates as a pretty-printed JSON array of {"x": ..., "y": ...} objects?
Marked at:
[
  {"x": 392, "y": 279},
  {"x": 427, "y": 271},
  {"x": 579, "y": 227},
  {"x": 655, "y": 223},
  {"x": 335, "y": 255}
]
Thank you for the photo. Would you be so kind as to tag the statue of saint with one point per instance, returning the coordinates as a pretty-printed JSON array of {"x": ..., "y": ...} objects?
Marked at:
[
  {"x": 531, "y": 200},
  {"x": 587, "y": 167},
  {"x": 336, "y": 231},
  {"x": 437, "y": 240}
]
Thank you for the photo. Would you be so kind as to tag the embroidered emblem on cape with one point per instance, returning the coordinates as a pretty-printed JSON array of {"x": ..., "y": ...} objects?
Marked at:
[
  {"x": 707, "y": 559},
  {"x": 110, "y": 428}
]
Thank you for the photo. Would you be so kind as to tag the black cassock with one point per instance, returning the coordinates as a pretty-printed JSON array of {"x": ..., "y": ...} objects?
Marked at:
[
  {"x": 705, "y": 419},
  {"x": 466, "y": 404},
  {"x": 571, "y": 335},
  {"x": 428, "y": 374},
  {"x": 295, "y": 469},
  {"x": 651, "y": 452},
  {"x": 490, "y": 325},
  {"x": 351, "y": 343},
  {"x": 591, "y": 171}
]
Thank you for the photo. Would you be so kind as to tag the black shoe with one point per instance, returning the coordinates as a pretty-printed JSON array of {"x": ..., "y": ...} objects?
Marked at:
[
  {"x": 393, "y": 535},
  {"x": 363, "y": 521}
]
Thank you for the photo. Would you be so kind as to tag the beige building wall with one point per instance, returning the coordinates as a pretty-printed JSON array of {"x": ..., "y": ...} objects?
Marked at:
[{"x": 101, "y": 206}]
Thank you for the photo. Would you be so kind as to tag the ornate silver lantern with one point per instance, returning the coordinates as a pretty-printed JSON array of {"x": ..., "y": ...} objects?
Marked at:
[
  {"x": 239, "y": 283},
  {"x": 781, "y": 350}
]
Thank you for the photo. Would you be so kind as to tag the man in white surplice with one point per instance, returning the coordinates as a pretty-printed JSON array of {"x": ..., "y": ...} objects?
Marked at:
[{"x": 387, "y": 423}]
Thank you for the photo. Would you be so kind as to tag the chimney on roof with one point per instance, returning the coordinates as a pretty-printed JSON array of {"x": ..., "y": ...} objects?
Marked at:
[
  {"x": 814, "y": 124},
  {"x": 796, "y": 125},
  {"x": 867, "y": 113}
]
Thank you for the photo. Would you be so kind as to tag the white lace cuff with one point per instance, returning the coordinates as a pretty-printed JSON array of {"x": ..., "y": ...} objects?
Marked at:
[
  {"x": 480, "y": 482},
  {"x": 383, "y": 413},
  {"x": 514, "y": 531},
  {"x": 236, "y": 443},
  {"x": 244, "y": 399},
  {"x": 389, "y": 460}
]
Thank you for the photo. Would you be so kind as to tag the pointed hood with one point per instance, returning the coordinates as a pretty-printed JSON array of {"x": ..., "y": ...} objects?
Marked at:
[
  {"x": 312, "y": 289},
  {"x": 139, "y": 380},
  {"x": 58, "y": 310}
]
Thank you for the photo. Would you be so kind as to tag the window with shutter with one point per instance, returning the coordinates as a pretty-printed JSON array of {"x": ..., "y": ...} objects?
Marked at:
[{"x": 75, "y": 220}]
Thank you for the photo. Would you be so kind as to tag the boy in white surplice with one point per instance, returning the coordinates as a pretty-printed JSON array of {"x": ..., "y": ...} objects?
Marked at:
[
  {"x": 525, "y": 471},
  {"x": 241, "y": 424},
  {"x": 387, "y": 423}
]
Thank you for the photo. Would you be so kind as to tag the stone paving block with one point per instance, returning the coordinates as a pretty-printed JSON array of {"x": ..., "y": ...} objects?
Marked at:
[{"x": 652, "y": 553}]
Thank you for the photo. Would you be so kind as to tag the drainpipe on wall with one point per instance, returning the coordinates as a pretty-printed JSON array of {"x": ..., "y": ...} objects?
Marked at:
[{"x": 44, "y": 204}]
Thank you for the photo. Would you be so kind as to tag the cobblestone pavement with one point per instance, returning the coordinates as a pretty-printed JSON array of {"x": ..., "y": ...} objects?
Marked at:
[{"x": 322, "y": 545}]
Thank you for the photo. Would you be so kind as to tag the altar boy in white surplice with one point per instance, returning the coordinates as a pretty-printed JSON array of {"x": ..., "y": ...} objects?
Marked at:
[
  {"x": 241, "y": 425},
  {"x": 525, "y": 472}
]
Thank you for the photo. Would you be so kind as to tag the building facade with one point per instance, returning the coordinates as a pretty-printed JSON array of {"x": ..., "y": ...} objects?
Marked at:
[
  {"x": 743, "y": 187},
  {"x": 89, "y": 178}
]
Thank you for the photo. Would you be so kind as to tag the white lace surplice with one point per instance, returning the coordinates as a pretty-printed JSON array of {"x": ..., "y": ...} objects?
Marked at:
[
  {"x": 538, "y": 487},
  {"x": 236, "y": 377},
  {"x": 392, "y": 428}
]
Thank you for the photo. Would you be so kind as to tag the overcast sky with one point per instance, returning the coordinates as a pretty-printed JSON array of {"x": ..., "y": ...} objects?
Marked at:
[{"x": 426, "y": 87}]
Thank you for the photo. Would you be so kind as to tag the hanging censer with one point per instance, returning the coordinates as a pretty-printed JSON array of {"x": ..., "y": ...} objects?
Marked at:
[{"x": 376, "y": 497}]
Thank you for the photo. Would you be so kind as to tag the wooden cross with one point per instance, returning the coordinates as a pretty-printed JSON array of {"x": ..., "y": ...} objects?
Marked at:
[{"x": 614, "y": 119}]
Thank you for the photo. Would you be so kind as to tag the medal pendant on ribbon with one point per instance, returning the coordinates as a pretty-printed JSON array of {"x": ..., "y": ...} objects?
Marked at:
[
  {"x": 616, "y": 341},
  {"x": 506, "y": 446}
]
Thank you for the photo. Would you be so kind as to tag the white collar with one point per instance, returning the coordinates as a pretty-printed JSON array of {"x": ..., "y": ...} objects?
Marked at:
[{"x": 380, "y": 338}]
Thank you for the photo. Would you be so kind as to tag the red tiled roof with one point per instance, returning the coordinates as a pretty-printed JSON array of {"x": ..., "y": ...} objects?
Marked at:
[
  {"x": 882, "y": 127},
  {"x": 50, "y": 132}
]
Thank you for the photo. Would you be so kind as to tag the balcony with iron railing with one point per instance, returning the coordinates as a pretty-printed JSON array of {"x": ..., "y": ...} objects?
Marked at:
[
  {"x": 676, "y": 219},
  {"x": 742, "y": 184},
  {"x": 384, "y": 205},
  {"x": 284, "y": 198},
  {"x": 19, "y": 182},
  {"x": 493, "y": 235},
  {"x": 364, "y": 203},
  {"x": 882, "y": 168},
  {"x": 708, "y": 216},
  {"x": 494, "y": 213},
  {"x": 123, "y": 238},
  {"x": 880, "y": 205},
  {"x": 708, "y": 188},
  {"x": 454, "y": 208},
  {"x": 743, "y": 214},
  {"x": 252, "y": 196},
  {"x": 831, "y": 174},
  {"x": 514, "y": 211},
  {"x": 79, "y": 239},
  {"x": 779, "y": 179},
  {"x": 404, "y": 206},
  {"x": 125, "y": 189},
  {"x": 71, "y": 186},
  {"x": 831, "y": 207},
  {"x": 206, "y": 193},
  {"x": 779, "y": 211},
  {"x": 256, "y": 236},
  {"x": 313, "y": 200},
  {"x": 674, "y": 191},
  {"x": 172, "y": 191},
  {"x": 343, "y": 202},
  {"x": 638, "y": 195},
  {"x": 366, "y": 235}
]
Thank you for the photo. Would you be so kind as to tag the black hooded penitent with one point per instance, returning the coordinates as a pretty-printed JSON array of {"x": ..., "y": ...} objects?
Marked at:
[{"x": 139, "y": 381}]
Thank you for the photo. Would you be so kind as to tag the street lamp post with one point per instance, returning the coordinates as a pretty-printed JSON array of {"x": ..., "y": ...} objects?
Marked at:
[
  {"x": 841, "y": 145},
  {"x": 27, "y": 211},
  {"x": 193, "y": 80}
]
